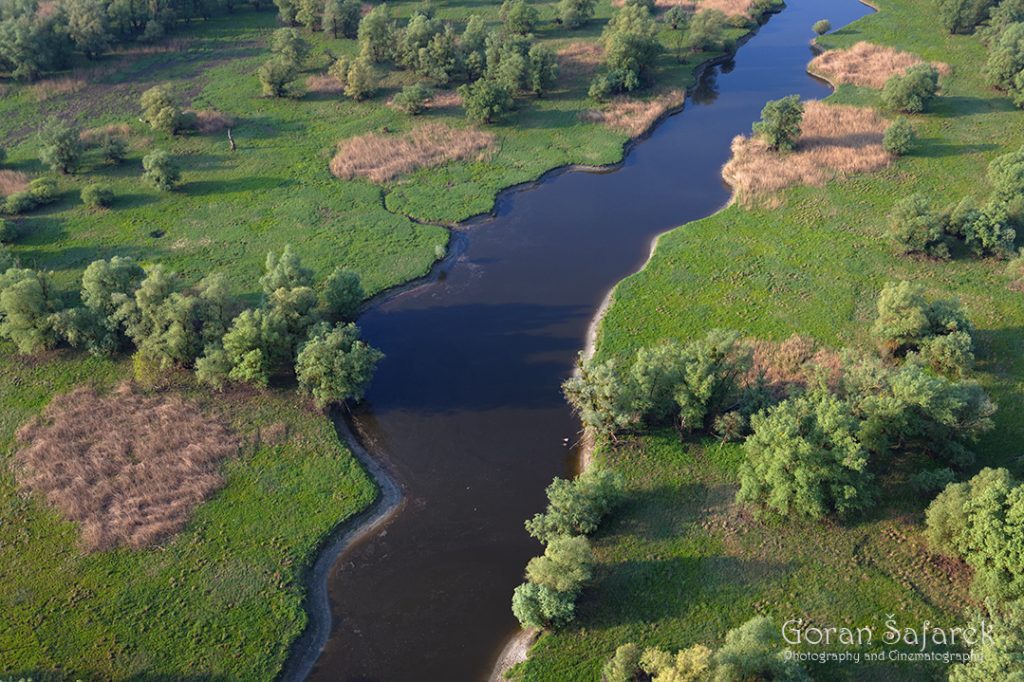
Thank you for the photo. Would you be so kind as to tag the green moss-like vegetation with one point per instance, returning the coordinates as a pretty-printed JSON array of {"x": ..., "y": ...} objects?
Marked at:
[{"x": 681, "y": 564}]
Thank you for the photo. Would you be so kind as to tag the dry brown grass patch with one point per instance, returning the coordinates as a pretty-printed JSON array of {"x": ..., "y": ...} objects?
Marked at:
[
  {"x": 835, "y": 141},
  {"x": 384, "y": 157},
  {"x": 444, "y": 99},
  {"x": 727, "y": 7},
  {"x": 211, "y": 121},
  {"x": 866, "y": 65},
  {"x": 55, "y": 87},
  {"x": 793, "y": 363},
  {"x": 324, "y": 84},
  {"x": 635, "y": 116},
  {"x": 95, "y": 135},
  {"x": 128, "y": 467},
  {"x": 12, "y": 181},
  {"x": 579, "y": 60}
]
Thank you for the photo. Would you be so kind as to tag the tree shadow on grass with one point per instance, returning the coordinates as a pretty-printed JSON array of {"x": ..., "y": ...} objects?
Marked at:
[
  {"x": 955, "y": 105},
  {"x": 933, "y": 147},
  {"x": 214, "y": 187}
]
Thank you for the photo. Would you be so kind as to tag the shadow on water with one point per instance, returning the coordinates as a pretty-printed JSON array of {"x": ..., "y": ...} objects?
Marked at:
[{"x": 466, "y": 409}]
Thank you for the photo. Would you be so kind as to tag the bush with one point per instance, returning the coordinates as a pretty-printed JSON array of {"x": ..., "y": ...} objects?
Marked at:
[
  {"x": 624, "y": 665},
  {"x": 575, "y": 13},
  {"x": 576, "y": 507},
  {"x": 159, "y": 109},
  {"x": 43, "y": 190},
  {"x": 341, "y": 17},
  {"x": 59, "y": 146},
  {"x": 113, "y": 148},
  {"x": 988, "y": 231},
  {"x": 361, "y": 80},
  {"x": 912, "y": 91},
  {"x": 97, "y": 196},
  {"x": 542, "y": 69},
  {"x": 334, "y": 365},
  {"x": 567, "y": 564},
  {"x": 906, "y": 318},
  {"x": 161, "y": 170},
  {"x": 28, "y": 304},
  {"x": 19, "y": 202},
  {"x": 676, "y": 17},
  {"x": 780, "y": 123},
  {"x": 413, "y": 99},
  {"x": 518, "y": 16},
  {"x": 537, "y": 606},
  {"x": 822, "y": 26},
  {"x": 342, "y": 295},
  {"x": 485, "y": 100},
  {"x": 804, "y": 458},
  {"x": 916, "y": 228},
  {"x": 688, "y": 665},
  {"x": 289, "y": 46},
  {"x": 1005, "y": 64},
  {"x": 706, "y": 32},
  {"x": 982, "y": 522},
  {"x": 755, "y": 651},
  {"x": 931, "y": 481},
  {"x": 899, "y": 137},
  {"x": 276, "y": 75}
]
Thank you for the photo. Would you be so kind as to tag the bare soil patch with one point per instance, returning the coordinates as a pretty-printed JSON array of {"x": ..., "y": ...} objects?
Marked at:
[
  {"x": 128, "y": 467},
  {"x": 12, "y": 181},
  {"x": 635, "y": 116},
  {"x": 834, "y": 141},
  {"x": 866, "y": 64},
  {"x": 384, "y": 157}
]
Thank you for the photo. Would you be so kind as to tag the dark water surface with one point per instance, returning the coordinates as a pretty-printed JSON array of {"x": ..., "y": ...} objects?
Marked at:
[{"x": 466, "y": 409}]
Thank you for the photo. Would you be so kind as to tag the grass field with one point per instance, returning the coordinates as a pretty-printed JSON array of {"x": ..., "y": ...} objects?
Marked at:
[
  {"x": 223, "y": 599},
  {"x": 681, "y": 564}
]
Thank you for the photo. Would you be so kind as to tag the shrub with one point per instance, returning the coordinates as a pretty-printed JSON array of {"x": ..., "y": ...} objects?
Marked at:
[
  {"x": 412, "y": 99},
  {"x": 276, "y": 74},
  {"x": 780, "y": 123},
  {"x": 623, "y": 666},
  {"x": 159, "y": 109},
  {"x": 43, "y": 190},
  {"x": 711, "y": 369},
  {"x": 161, "y": 170},
  {"x": 1004, "y": 15},
  {"x": 113, "y": 148},
  {"x": 97, "y": 196},
  {"x": 951, "y": 354},
  {"x": 676, "y": 17},
  {"x": 899, "y": 137},
  {"x": 822, "y": 26},
  {"x": 1005, "y": 64},
  {"x": 688, "y": 664},
  {"x": 518, "y": 16},
  {"x": 289, "y": 46},
  {"x": 988, "y": 231},
  {"x": 931, "y": 481},
  {"x": 59, "y": 145},
  {"x": 706, "y": 32},
  {"x": 804, "y": 458},
  {"x": 916, "y": 228},
  {"x": 538, "y": 606},
  {"x": 912, "y": 91},
  {"x": 576, "y": 507},
  {"x": 1006, "y": 173},
  {"x": 982, "y": 521},
  {"x": 906, "y": 318},
  {"x": 575, "y": 13},
  {"x": 19, "y": 202},
  {"x": 485, "y": 100},
  {"x": 342, "y": 295},
  {"x": 602, "y": 398},
  {"x": 28, "y": 303},
  {"x": 361, "y": 80},
  {"x": 755, "y": 651},
  {"x": 334, "y": 365}
]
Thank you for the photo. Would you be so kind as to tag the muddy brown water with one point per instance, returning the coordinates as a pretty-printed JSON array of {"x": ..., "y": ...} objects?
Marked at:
[{"x": 466, "y": 410}]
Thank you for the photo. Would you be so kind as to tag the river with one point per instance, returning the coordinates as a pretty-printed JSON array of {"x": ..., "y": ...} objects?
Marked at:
[{"x": 466, "y": 410}]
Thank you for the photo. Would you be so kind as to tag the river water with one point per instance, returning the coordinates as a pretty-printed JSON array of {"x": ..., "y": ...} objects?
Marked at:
[{"x": 466, "y": 410}]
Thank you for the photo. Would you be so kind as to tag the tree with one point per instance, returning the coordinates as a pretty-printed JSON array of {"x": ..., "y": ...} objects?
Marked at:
[
  {"x": 289, "y": 45},
  {"x": 988, "y": 231},
  {"x": 576, "y": 507},
  {"x": 822, "y": 26},
  {"x": 518, "y": 16},
  {"x": 575, "y": 13},
  {"x": 982, "y": 521},
  {"x": 28, "y": 305},
  {"x": 284, "y": 272},
  {"x": 485, "y": 100},
  {"x": 376, "y": 34},
  {"x": 677, "y": 17},
  {"x": 413, "y": 99},
  {"x": 341, "y": 296},
  {"x": 59, "y": 145},
  {"x": 912, "y": 91},
  {"x": 334, "y": 365},
  {"x": 538, "y": 606},
  {"x": 780, "y": 123},
  {"x": 906, "y": 318},
  {"x": 542, "y": 69},
  {"x": 87, "y": 26},
  {"x": 706, "y": 32},
  {"x": 602, "y": 398},
  {"x": 361, "y": 81},
  {"x": 804, "y": 458},
  {"x": 308, "y": 13},
  {"x": 1002, "y": 16},
  {"x": 899, "y": 137},
  {"x": 341, "y": 17},
  {"x": 1005, "y": 66},
  {"x": 439, "y": 60},
  {"x": 567, "y": 564},
  {"x": 631, "y": 47},
  {"x": 961, "y": 16},
  {"x": 113, "y": 148},
  {"x": 96, "y": 195},
  {"x": 473, "y": 45},
  {"x": 276, "y": 75},
  {"x": 623, "y": 666},
  {"x": 159, "y": 109},
  {"x": 1006, "y": 173},
  {"x": 286, "y": 11},
  {"x": 161, "y": 170},
  {"x": 916, "y": 228},
  {"x": 755, "y": 651},
  {"x": 711, "y": 369},
  {"x": 688, "y": 665},
  {"x": 996, "y": 658}
]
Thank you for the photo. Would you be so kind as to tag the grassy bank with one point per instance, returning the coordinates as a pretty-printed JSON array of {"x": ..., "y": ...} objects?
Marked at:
[
  {"x": 223, "y": 599},
  {"x": 681, "y": 564}
]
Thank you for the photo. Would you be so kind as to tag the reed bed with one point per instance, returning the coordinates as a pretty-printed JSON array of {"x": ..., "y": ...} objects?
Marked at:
[
  {"x": 635, "y": 116},
  {"x": 866, "y": 65}
]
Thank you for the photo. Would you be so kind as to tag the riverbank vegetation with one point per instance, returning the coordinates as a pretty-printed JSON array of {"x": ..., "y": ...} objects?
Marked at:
[
  {"x": 153, "y": 154},
  {"x": 814, "y": 507}
]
